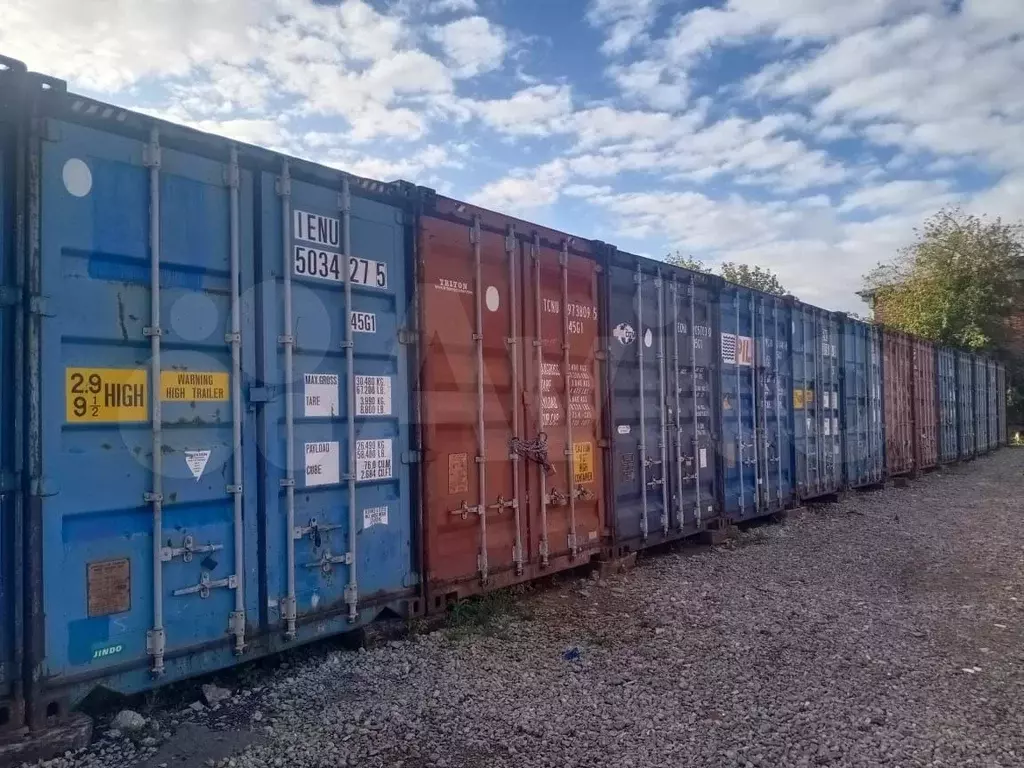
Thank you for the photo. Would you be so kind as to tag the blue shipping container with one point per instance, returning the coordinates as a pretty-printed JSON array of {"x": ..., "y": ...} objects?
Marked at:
[
  {"x": 1001, "y": 402},
  {"x": 348, "y": 385},
  {"x": 965, "y": 405},
  {"x": 946, "y": 371},
  {"x": 756, "y": 412},
  {"x": 11, "y": 380},
  {"x": 161, "y": 472},
  {"x": 862, "y": 423},
  {"x": 816, "y": 435},
  {"x": 662, "y": 382}
]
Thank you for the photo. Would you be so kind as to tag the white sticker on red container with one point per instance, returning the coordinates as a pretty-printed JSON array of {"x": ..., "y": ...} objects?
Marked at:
[
  {"x": 321, "y": 395},
  {"x": 373, "y": 395},
  {"x": 323, "y": 466},
  {"x": 375, "y": 516},
  {"x": 373, "y": 460}
]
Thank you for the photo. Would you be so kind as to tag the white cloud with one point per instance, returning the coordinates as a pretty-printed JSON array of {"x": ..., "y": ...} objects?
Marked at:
[
  {"x": 652, "y": 83},
  {"x": 626, "y": 21},
  {"x": 900, "y": 195},
  {"x": 524, "y": 190},
  {"x": 533, "y": 111},
  {"x": 451, "y": 6},
  {"x": 472, "y": 44}
]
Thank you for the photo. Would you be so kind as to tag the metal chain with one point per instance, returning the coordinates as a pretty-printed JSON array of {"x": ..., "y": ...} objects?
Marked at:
[{"x": 535, "y": 450}]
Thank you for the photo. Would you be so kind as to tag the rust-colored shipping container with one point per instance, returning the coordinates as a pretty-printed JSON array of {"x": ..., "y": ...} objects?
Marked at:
[
  {"x": 509, "y": 382},
  {"x": 926, "y": 405},
  {"x": 897, "y": 368}
]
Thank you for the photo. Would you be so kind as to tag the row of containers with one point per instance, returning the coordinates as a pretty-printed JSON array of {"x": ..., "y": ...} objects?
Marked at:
[{"x": 247, "y": 401}]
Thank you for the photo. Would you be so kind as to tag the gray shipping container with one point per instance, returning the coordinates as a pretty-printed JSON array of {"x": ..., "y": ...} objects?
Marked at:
[
  {"x": 965, "y": 405},
  {"x": 660, "y": 332},
  {"x": 861, "y": 427},
  {"x": 946, "y": 370}
]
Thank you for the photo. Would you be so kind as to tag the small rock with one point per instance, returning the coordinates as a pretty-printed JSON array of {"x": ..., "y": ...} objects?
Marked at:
[
  {"x": 214, "y": 695},
  {"x": 196, "y": 706},
  {"x": 128, "y": 721},
  {"x": 114, "y": 733},
  {"x": 257, "y": 716}
]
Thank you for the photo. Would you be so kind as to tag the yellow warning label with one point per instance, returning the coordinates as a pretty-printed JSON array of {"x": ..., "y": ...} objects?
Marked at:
[
  {"x": 582, "y": 463},
  {"x": 106, "y": 394},
  {"x": 802, "y": 398},
  {"x": 193, "y": 386}
]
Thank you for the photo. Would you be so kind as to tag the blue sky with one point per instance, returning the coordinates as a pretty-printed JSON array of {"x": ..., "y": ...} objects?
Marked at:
[{"x": 808, "y": 136}]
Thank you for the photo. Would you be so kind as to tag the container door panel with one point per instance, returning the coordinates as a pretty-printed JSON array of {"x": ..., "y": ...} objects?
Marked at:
[
  {"x": 926, "y": 432},
  {"x": 863, "y": 439},
  {"x": 948, "y": 407},
  {"x": 1001, "y": 403},
  {"x": 467, "y": 381},
  {"x": 694, "y": 380},
  {"x": 338, "y": 527},
  {"x": 636, "y": 380},
  {"x": 816, "y": 401},
  {"x": 993, "y": 405},
  {"x": 755, "y": 375},
  {"x": 10, "y": 374},
  {"x": 980, "y": 405},
  {"x": 561, "y": 303},
  {"x": 899, "y": 416},
  {"x": 965, "y": 405},
  {"x": 100, "y": 386}
]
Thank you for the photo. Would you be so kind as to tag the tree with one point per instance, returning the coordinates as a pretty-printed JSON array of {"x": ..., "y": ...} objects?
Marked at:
[
  {"x": 688, "y": 262},
  {"x": 956, "y": 283},
  {"x": 755, "y": 277}
]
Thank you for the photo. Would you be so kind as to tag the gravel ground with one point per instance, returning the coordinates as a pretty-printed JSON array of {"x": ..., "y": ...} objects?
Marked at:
[{"x": 887, "y": 629}]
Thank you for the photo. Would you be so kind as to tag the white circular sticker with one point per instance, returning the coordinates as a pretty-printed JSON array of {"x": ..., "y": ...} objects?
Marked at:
[
  {"x": 77, "y": 177},
  {"x": 648, "y": 338},
  {"x": 492, "y": 299}
]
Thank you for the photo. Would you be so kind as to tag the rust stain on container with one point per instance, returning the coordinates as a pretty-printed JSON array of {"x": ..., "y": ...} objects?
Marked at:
[
  {"x": 897, "y": 368},
  {"x": 926, "y": 405},
  {"x": 509, "y": 339}
]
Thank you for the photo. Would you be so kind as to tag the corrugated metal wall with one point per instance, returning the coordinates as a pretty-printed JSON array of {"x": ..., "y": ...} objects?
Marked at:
[
  {"x": 862, "y": 427},
  {"x": 946, "y": 371},
  {"x": 662, "y": 376},
  {"x": 816, "y": 435},
  {"x": 757, "y": 416},
  {"x": 926, "y": 409},
  {"x": 335, "y": 468},
  {"x": 11, "y": 378},
  {"x": 993, "y": 404},
  {"x": 897, "y": 370},
  {"x": 981, "y": 400},
  {"x": 513, "y": 460},
  {"x": 965, "y": 405},
  {"x": 1001, "y": 402}
]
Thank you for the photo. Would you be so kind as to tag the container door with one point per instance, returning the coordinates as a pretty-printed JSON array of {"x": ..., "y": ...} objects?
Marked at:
[
  {"x": 335, "y": 424},
  {"x": 1001, "y": 403},
  {"x": 965, "y": 406},
  {"x": 144, "y": 443},
  {"x": 693, "y": 387},
  {"x": 755, "y": 375},
  {"x": 561, "y": 299},
  {"x": 899, "y": 417},
  {"x": 993, "y": 406},
  {"x": 816, "y": 401},
  {"x": 926, "y": 436},
  {"x": 472, "y": 409},
  {"x": 980, "y": 405},
  {"x": 946, "y": 368},
  {"x": 861, "y": 384},
  {"x": 637, "y": 319},
  {"x": 11, "y": 374}
]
